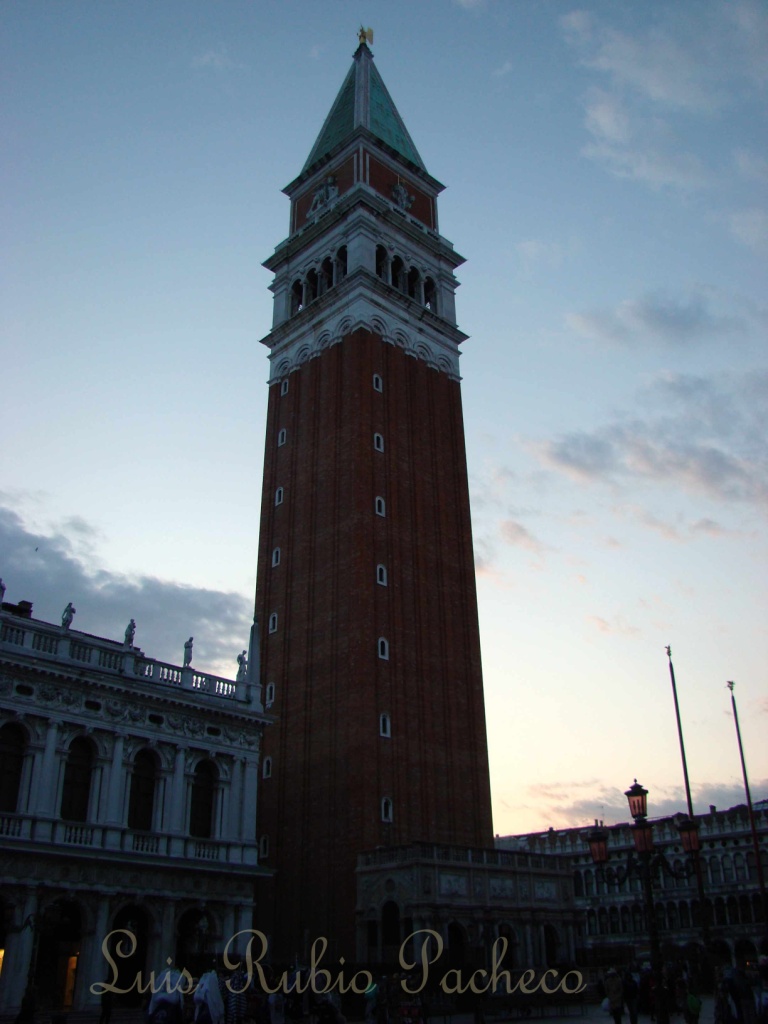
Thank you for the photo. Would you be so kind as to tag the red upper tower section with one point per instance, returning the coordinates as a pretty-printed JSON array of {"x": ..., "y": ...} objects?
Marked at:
[{"x": 366, "y": 589}]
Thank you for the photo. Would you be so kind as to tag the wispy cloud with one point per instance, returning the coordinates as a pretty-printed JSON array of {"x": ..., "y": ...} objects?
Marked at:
[
  {"x": 670, "y": 320},
  {"x": 705, "y": 436},
  {"x": 750, "y": 227},
  {"x": 680, "y": 531},
  {"x": 638, "y": 146},
  {"x": 53, "y": 568},
  {"x": 503, "y": 70},
  {"x": 616, "y": 624},
  {"x": 651, "y": 85},
  {"x": 750, "y": 165},
  {"x": 594, "y": 800},
  {"x": 653, "y": 64},
  {"x": 536, "y": 253},
  {"x": 520, "y": 536},
  {"x": 217, "y": 59}
]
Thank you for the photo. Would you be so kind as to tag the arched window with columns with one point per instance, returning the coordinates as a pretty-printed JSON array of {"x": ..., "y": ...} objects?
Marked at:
[
  {"x": 141, "y": 802},
  {"x": 13, "y": 748},
  {"x": 203, "y": 800},
  {"x": 78, "y": 771}
]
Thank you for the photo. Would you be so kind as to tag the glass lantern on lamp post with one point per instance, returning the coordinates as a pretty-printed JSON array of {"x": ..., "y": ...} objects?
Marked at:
[{"x": 645, "y": 862}]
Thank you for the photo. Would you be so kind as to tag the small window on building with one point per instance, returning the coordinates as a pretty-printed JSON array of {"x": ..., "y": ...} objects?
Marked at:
[
  {"x": 266, "y": 768},
  {"x": 381, "y": 507},
  {"x": 383, "y": 648},
  {"x": 276, "y": 557},
  {"x": 378, "y": 442},
  {"x": 273, "y": 622},
  {"x": 269, "y": 697},
  {"x": 385, "y": 725},
  {"x": 283, "y": 388},
  {"x": 378, "y": 383},
  {"x": 281, "y": 438},
  {"x": 381, "y": 575},
  {"x": 264, "y": 847},
  {"x": 279, "y": 496},
  {"x": 386, "y": 809}
]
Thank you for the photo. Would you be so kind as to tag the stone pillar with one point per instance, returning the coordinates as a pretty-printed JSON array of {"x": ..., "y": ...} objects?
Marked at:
[
  {"x": 178, "y": 800},
  {"x": 18, "y": 955},
  {"x": 388, "y": 268},
  {"x": 115, "y": 784},
  {"x": 45, "y": 781},
  {"x": 167, "y": 945},
  {"x": 92, "y": 966},
  {"x": 46, "y": 785},
  {"x": 250, "y": 788},
  {"x": 234, "y": 831},
  {"x": 224, "y": 808},
  {"x": 228, "y": 928},
  {"x": 156, "y": 946},
  {"x": 529, "y": 955}
]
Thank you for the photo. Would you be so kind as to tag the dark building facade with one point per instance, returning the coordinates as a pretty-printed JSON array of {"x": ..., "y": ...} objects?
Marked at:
[
  {"x": 611, "y": 924},
  {"x": 366, "y": 589},
  {"x": 128, "y": 791}
]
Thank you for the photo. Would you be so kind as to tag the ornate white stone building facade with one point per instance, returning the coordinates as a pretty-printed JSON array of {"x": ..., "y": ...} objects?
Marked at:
[{"x": 128, "y": 795}]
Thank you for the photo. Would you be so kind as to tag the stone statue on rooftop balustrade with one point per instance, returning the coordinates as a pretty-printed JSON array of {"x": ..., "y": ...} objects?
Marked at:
[
  {"x": 130, "y": 633},
  {"x": 188, "y": 652},
  {"x": 67, "y": 616},
  {"x": 2, "y": 591},
  {"x": 242, "y": 667}
]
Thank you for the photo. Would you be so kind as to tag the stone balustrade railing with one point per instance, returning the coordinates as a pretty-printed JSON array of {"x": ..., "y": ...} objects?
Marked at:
[
  {"x": 45, "y": 641},
  {"x": 24, "y": 828},
  {"x": 456, "y": 855}
]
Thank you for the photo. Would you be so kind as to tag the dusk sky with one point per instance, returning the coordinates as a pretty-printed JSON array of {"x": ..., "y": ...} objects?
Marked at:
[{"x": 606, "y": 168}]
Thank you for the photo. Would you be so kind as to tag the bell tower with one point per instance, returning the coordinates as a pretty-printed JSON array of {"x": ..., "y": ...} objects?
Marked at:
[{"x": 366, "y": 597}]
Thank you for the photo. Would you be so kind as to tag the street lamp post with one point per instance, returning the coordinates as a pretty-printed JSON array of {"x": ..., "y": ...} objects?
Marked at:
[{"x": 645, "y": 865}]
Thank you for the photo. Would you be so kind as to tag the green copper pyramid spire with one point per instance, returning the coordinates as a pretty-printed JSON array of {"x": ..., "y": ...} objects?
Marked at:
[{"x": 363, "y": 101}]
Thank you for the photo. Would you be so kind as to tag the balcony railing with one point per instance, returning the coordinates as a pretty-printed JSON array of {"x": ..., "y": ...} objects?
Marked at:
[
  {"x": 45, "y": 642},
  {"x": 91, "y": 837}
]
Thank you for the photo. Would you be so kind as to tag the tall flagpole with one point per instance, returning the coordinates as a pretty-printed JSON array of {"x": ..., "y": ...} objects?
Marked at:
[
  {"x": 703, "y": 910},
  {"x": 680, "y": 735},
  {"x": 753, "y": 827}
]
